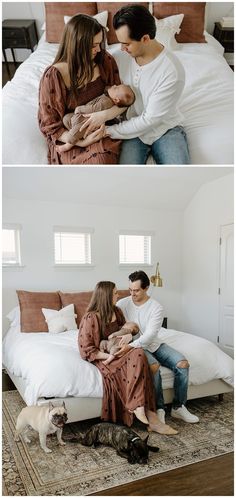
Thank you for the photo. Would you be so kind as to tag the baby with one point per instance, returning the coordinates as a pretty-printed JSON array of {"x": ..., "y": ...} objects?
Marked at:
[
  {"x": 111, "y": 345},
  {"x": 120, "y": 95}
]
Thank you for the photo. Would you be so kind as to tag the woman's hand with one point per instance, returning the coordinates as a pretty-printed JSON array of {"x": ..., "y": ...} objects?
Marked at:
[
  {"x": 123, "y": 350},
  {"x": 92, "y": 138},
  {"x": 94, "y": 121}
]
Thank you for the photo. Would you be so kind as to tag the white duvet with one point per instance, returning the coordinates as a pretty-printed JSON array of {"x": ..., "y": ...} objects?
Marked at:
[
  {"x": 52, "y": 366},
  {"x": 207, "y": 104}
]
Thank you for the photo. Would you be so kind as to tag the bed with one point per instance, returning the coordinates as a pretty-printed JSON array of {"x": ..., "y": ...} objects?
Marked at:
[
  {"x": 46, "y": 365},
  {"x": 206, "y": 103}
]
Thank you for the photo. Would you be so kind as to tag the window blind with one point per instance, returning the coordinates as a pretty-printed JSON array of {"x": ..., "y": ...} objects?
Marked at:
[
  {"x": 72, "y": 248},
  {"x": 11, "y": 246},
  {"x": 134, "y": 249}
]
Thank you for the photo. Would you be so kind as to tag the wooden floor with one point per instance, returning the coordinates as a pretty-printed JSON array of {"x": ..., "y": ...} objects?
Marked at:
[{"x": 214, "y": 477}]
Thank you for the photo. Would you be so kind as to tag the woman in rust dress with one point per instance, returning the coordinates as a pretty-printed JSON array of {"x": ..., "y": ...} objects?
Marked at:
[
  {"x": 80, "y": 72},
  {"x": 127, "y": 380}
]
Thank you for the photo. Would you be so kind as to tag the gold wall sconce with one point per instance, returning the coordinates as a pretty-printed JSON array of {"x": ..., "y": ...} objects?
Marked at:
[{"x": 156, "y": 279}]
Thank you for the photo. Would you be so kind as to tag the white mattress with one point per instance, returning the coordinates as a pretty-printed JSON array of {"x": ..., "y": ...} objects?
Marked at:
[
  {"x": 52, "y": 367},
  {"x": 207, "y": 104}
]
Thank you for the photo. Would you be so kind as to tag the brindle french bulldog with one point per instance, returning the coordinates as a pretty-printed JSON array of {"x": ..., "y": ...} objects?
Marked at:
[{"x": 125, "y": 441}]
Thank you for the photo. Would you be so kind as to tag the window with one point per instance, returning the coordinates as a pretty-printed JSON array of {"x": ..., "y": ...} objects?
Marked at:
[
  {"x": 135, "y": 248},
  {"x": 72, "y": 246},
  {"x": 11, "y": 245}
]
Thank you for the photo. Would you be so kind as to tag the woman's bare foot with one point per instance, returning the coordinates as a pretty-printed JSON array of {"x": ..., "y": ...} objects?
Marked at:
[
  {"x": 162, "y": 429},
  {"x": 154, "y": 367},
  {"x": 140, "y": 414},
  {"x": 156, "y": 425},
  {"x": 64, "y": 147}
]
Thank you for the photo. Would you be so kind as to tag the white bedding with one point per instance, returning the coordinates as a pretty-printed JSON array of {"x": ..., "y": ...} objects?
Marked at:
[
  {"x": 52, "y": 366},
  {"x": 207, "y": 104}
]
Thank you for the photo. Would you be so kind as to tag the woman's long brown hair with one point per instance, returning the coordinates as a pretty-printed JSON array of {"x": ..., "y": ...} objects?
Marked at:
[
  {"x": 75, "y": 49},
  {"x": 102, "y": 303}
]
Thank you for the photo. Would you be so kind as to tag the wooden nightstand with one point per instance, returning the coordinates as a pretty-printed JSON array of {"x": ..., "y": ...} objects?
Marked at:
[
  {"x": 226, "y": 38},
  {"x": 18, "y": 33}
]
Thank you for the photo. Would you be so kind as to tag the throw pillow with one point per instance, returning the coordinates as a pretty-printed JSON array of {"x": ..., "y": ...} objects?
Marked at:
[
  {"x": 101, "y": 17},
  {"x": 167, "y": 28},
  {"x": 31, "y": 304},
  {"x": 60, "y": 321}
]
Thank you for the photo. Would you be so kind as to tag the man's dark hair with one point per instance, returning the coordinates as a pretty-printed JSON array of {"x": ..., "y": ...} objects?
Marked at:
[
  {"x": 140, "y": 275},
  {"x": 138, "y": 19}
]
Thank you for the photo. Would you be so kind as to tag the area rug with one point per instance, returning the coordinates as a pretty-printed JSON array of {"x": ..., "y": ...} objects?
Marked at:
[{"x": 78, "y": 470}]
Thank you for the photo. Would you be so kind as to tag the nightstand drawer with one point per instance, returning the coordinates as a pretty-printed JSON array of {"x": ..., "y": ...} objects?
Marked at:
[
  {"x": 16, "y": 40},
  {"x": 12, "y": 33}
]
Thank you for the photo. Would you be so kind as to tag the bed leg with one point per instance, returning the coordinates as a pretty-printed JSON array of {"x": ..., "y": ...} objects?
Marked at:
[{"x": 221, "y": 397}]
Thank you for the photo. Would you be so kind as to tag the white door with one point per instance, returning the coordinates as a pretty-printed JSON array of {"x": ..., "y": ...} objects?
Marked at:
[{"x": 226, "y": 289}]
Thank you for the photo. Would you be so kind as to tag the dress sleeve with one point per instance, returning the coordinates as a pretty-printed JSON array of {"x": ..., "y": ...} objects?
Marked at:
[
  {"x": 89, "y": 337},
  {"x": 109, "y": 70},
  {"x": 52, "y": 103}
]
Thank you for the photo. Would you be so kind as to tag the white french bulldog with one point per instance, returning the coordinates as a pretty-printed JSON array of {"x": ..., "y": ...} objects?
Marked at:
[{"x": 43, "y": 419}]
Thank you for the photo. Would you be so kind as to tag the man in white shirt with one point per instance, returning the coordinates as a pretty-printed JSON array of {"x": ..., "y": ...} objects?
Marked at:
[
  {"x": 157, "y": 78},
  {"x": 147, "y": 313}
]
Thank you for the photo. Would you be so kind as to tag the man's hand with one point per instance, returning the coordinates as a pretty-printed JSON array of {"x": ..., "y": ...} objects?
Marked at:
[
  {"x": 94, "y": 121},
  {"x": 125, "y": 339},
  {"x": 123, "y": 350}
]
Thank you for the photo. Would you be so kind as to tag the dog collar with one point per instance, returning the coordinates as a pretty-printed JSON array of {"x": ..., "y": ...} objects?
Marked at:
[{"x": 135, "y": 439}]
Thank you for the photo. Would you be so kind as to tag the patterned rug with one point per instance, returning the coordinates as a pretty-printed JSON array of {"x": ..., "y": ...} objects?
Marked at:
[{"x": 79, "y": 470}]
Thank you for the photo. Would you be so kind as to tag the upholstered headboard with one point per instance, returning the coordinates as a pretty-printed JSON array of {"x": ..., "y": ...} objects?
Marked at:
[
  {"x": 192, "y": 27},
  {"x": 31, "y": 304},
  {"x": 55, "y": 12}
]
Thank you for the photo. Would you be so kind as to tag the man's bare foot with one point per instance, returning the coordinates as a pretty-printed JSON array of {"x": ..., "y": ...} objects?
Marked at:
[{"x": 64, "y": 147}]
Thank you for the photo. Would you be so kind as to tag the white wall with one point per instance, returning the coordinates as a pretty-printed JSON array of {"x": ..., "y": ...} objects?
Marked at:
[
  {"x": 37, "y": 220},
  {"x": 210, "y": 208},
  {"x": 35, "y": 10}
]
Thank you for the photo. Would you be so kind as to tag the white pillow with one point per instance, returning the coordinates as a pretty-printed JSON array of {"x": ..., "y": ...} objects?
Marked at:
[
  {"x": 101, "y": 17},
  {"x": 59, "y": 321},
  {"x": 167, "y": 28},
  {"x": 14, "y": 316}
]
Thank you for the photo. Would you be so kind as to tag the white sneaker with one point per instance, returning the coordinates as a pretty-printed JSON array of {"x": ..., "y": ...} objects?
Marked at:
[
  {"x": 183, "y": 414},
  {"x": 161, "y": 415}
]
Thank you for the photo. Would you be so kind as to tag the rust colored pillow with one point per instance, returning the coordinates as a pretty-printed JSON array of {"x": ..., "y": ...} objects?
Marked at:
[
  {"x": 123, "y": 293},
  {"x": 81, "y": 301},
  {"x": 192, "y": 27},
  {"x": 112, "y": 8},
  {"x": 55, "y": 12},
  {"x": 31, "y": 304}
]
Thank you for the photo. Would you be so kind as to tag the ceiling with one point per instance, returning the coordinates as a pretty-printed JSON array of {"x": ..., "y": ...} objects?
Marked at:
[{"x": 147, "y": 187}]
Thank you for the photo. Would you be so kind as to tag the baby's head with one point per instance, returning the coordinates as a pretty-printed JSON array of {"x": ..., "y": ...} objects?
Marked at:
[
  {"x": 132, "y": 327},
  {"x": 121, "y": 95}
]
